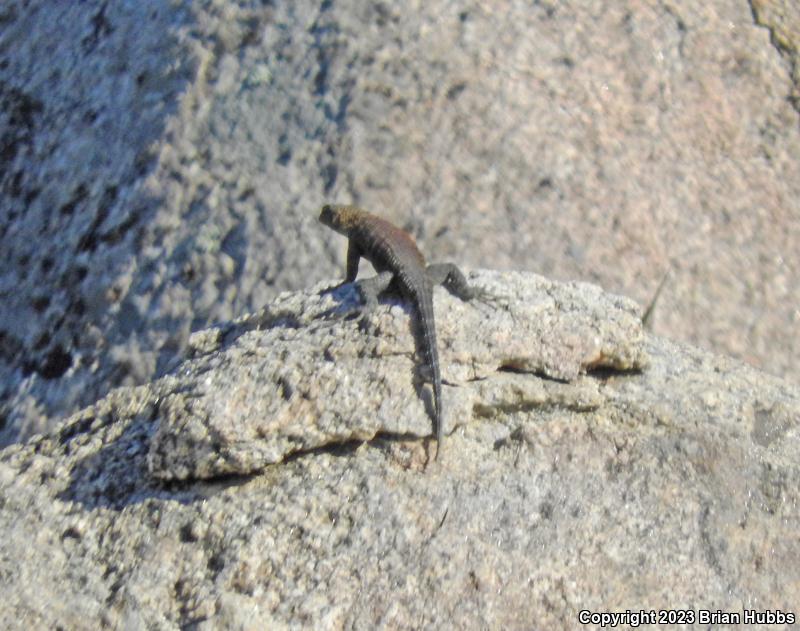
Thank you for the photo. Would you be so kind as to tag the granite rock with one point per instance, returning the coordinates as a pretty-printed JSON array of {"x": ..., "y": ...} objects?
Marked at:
[
  {"x": 673, "y": 485},
  {"x": 311, "y": 380},
  {"x": 164, "y": 163}
]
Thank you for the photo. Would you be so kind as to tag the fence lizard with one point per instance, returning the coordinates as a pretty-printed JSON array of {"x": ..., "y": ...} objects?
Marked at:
[{"x": 400, "y": 266}]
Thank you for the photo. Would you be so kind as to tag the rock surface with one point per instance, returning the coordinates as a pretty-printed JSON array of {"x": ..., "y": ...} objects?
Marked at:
[
  {"x": 669, "y": 486},
  {"x": 277, "y": 387},
  {"x": 164, "y": 162}
]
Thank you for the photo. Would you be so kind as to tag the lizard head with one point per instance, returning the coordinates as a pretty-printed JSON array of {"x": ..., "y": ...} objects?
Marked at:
[{"x": 340, "y": 217}]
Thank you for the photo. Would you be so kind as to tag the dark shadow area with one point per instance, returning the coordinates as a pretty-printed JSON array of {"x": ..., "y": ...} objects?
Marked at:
[
  {"x": 605, "y": 373},
  {"x": 116, "y": 475},
  {"x": 64, "y": 250}
]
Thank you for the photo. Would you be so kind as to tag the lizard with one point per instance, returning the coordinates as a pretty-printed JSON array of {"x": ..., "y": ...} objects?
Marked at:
[{"x": 400, "y": 266}]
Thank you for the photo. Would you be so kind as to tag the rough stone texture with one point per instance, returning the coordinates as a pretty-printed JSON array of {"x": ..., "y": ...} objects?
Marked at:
[
  {"x": 782, "y": 18},
  {"x": 673, "y": 486},
  {"x": 86, "y": 95},
  {"x": 276, "y": 404},
  {"x": 164, "y": 163}
]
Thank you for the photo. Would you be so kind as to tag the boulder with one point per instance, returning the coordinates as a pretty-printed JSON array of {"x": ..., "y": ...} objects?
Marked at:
[{"x": 281, "y": 476}]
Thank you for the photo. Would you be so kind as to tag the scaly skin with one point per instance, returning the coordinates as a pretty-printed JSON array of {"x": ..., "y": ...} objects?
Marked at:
[{"x": 399, "y": 264}]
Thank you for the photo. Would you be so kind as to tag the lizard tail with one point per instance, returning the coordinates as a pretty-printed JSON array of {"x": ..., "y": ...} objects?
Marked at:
[
  {"x": 431, "y": 357},
  {"x": 437, "y": 402}
]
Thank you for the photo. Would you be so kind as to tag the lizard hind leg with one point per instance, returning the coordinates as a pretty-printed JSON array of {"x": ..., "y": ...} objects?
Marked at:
[
  {"x": 370, "y": 288},
  {"x": 451, "y": 278},
  {"x": 367, "y": 289}
]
